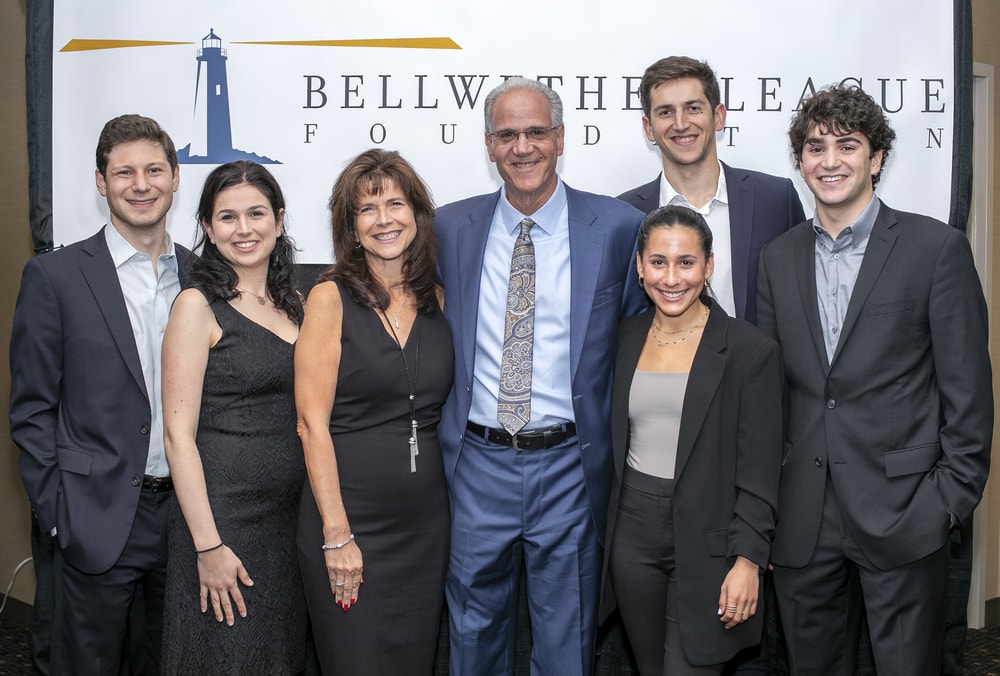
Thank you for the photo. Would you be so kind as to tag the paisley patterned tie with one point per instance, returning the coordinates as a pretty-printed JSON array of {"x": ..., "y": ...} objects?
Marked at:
[{"x": 514, "y": 401}]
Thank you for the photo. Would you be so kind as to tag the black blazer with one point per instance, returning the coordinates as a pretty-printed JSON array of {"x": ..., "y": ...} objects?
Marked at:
[
  {"x": 902, "y": 417},
  {"x": 726, "y": 476},
  {"x": 78, "y": 406},
  {"x": 761, "y": 207}
]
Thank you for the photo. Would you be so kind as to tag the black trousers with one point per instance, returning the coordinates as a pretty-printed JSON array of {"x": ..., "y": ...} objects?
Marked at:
[
  {"x": 644, "y": 575},
  {"x": 821, "y": 605},
  {"x": 92, "y": 612}
]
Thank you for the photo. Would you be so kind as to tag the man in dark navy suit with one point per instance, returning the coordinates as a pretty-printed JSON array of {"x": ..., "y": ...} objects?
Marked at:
[
  {"x": 681, "y": 113},
  {"x": 85, "y": 404}
]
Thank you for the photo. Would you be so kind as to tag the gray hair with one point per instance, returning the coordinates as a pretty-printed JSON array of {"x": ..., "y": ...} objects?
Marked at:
[{"x": 523, "y": 84}]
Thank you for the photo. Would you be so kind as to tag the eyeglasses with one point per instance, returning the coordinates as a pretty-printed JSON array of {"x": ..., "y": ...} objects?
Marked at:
[{"x": 506, "y": 137}]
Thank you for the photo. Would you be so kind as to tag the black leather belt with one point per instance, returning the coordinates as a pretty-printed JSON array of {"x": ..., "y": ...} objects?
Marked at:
[
  {"x": 535, "y": 440},
  {"x": 157, "y": 484}
]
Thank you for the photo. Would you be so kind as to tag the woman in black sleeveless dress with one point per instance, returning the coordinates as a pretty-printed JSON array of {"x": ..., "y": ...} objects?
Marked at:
[
  {"x": 234, "y": 602},
  {"x": 373, "y": 367}
]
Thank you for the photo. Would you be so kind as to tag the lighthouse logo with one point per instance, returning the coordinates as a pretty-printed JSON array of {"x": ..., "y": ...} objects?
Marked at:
[{"x": 211, "y": 110}]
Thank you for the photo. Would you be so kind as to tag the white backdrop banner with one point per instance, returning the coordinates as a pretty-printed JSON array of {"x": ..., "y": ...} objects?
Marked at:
[{"x": 307, "y": 85}]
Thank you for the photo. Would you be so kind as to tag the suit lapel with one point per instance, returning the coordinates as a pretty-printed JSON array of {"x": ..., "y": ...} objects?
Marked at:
[
  {"x": 703, "y": 382},
  {"x": 880, "y": 244},
  {"x": 741, "y": 209},
  {"x": 99, "y": 270},
  {"x": 805, "y": 273},
  {"x": 649, "y": 196},
  {"x": 586, "y": 253},
  {"x": 471, "y": 246}
]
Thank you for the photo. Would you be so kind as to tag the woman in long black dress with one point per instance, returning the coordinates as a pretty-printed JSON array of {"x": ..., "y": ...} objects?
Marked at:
[
  {"x": 373, "y": 367},
  {"x": 234, "y": 602}
]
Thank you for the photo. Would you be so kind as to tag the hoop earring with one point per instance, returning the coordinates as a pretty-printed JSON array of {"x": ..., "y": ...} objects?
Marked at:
[{"x": 641, "y": 279}]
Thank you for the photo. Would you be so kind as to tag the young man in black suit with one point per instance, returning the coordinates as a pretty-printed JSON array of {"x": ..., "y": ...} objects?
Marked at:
[{"x": 883, "y": 330}]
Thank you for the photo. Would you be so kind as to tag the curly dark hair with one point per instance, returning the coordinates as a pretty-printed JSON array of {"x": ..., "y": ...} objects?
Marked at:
[
  {"x": 368, "y": 174},
  {"x": 213, "y": 274},
  {"x": 841, "y": 110},
  {"x": 677, "y": 68}
]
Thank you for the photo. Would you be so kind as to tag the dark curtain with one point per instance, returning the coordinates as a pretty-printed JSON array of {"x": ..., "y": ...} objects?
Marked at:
[
  {"x": 961, "y": 157},
  {"x": 38, "y": 71}
]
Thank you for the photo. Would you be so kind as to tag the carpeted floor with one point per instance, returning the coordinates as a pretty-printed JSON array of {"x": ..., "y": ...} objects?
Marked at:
[{"x": 982, "y": 652}]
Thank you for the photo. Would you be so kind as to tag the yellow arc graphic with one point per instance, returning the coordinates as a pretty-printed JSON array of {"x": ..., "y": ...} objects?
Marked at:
[
  {"x": 397, "y": 43},
  {"x": 83, "y": 45}
]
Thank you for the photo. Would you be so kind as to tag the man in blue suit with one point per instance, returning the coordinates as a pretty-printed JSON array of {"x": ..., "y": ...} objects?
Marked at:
[
  {"x": 538, "y": 494},
  {"x": 682, "y": 111},
  {"x": 85, "y": 405}
]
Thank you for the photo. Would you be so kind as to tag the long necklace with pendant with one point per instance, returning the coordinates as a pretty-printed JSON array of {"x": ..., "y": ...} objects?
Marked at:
[
  {"x": 410, "y": 385},
  {"x": 395, "y": 315}
]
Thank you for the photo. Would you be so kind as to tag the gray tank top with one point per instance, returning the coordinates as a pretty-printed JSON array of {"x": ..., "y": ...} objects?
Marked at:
[{"x": 654, "y": 411}]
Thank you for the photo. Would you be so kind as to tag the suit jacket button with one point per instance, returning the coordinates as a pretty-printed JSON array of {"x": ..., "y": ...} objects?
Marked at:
[
  {"x": 136, "y": 481},
  {"x": 819, "y": 462},
  {"x": 143, "y": 429},
  {"x": 831, "y": 403}
]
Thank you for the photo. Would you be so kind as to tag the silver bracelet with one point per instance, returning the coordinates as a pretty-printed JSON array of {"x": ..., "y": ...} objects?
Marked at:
[{"x": 343, "y": 544}]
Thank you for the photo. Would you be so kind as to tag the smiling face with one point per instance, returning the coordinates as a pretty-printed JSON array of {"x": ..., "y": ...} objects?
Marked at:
[
  {"x": 838, "y": 169},
  {"x": 244, "y": 226},
  {"x": 528, "y": 167},
  {"x": 673, "y": 267},
  {"x": 385, "y": 224},
  {"x": 682, "y": 123},
  {"x": 139, "y": 186}
]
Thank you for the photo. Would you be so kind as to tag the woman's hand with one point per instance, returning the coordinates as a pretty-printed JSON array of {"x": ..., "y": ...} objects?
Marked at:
[
  {"x": 220, "y": 573},
  {"x": 738, "y": 597},
  {"x": 344, "y": 566}
]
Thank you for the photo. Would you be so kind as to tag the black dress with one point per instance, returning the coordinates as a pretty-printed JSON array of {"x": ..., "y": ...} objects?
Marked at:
[
  {"x": 254, "y": 471},
  {"x": 400, "y": 519}
]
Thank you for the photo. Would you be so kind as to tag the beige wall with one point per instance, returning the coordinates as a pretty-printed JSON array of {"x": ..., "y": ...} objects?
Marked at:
[
  {"x": 14, "y": 512},
  {"x": 15, "y": 515},
  {"x": 986, "y": 49}
]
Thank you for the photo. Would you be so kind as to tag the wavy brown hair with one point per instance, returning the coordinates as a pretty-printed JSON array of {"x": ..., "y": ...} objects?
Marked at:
[{"x": 367, "y": 174}]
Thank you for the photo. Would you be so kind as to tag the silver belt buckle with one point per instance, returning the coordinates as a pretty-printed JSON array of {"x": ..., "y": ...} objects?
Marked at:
[{"x": 513, "y": 442}]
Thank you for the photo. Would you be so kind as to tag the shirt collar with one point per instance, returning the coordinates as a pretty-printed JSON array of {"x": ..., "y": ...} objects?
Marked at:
[
  {"x": 670, "y": 196},
  {"x": 546, "y": 217},
  {"x": 861, "y": 229},
  {"x": 122, "y": 251}
]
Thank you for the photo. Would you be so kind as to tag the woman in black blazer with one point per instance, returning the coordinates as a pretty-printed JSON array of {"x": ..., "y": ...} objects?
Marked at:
[{"x": 696, "y": 417}]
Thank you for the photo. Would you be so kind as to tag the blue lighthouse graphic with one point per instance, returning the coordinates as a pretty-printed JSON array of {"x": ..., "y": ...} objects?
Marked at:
[{"x": 211, "y": 111}]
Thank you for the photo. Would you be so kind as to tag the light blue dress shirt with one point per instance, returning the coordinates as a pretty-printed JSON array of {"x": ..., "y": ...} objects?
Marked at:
[{"x": 551, "y": 394}]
